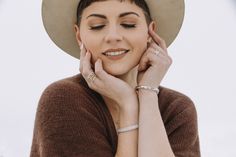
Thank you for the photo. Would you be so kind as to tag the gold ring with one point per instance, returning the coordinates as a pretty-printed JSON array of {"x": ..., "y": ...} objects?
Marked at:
[{"x": 91, "y": 77}]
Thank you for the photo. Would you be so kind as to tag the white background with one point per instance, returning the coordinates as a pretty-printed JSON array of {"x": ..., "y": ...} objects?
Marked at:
[{"x": 203, "y": 68}]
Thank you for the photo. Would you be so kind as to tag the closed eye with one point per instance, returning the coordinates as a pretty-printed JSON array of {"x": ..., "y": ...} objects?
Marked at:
[
  {"x": 124, "y": 25},
  {"x": 128, "y": 25}
]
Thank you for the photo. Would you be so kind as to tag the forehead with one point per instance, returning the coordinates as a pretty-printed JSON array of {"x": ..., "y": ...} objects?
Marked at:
[{"x": 112, "y": 7}]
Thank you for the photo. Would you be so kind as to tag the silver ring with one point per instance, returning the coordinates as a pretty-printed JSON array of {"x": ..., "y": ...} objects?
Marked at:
[{"x": 91, "y": 77}]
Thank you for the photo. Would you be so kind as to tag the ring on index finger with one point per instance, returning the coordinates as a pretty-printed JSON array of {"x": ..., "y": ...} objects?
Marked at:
[{"x": 91, "y": 77}]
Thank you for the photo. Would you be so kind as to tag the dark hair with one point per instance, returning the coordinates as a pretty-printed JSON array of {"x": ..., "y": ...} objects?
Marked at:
[{"x": 141, "y": 3}]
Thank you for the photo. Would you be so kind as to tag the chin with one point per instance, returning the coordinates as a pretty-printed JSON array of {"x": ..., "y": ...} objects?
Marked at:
[{"x": 116, "y": 71}]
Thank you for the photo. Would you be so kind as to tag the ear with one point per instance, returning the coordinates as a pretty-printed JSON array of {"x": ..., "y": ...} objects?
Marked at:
[
  {"x": 77, "y": 34},
  {"x": 152, "y": 26}
]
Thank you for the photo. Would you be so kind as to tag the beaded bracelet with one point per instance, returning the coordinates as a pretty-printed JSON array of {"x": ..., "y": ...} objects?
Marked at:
[
  {"x": 147, "y": 87},
  {"x": 129, "y": 128}
]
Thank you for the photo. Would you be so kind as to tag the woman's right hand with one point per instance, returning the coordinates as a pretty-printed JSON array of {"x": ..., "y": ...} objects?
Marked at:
[{"x": 104, "y": 83}]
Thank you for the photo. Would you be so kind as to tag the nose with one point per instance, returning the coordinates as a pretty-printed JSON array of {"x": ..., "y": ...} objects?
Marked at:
[{"x": 113, "y": 35}]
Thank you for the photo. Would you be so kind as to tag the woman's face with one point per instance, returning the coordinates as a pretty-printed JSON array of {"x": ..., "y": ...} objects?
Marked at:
[{"x": 113, "y": 25}]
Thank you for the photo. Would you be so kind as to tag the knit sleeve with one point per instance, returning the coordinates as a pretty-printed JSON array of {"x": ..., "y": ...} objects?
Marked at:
[
  {"x": 183, "y": 132},
  {"x": 67, "y": 125}
]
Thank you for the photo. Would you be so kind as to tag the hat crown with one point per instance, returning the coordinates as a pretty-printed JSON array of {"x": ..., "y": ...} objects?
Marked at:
[{"x": 59, "y": 17}]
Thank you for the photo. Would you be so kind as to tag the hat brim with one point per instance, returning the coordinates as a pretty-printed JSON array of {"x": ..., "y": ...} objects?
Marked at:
[{"x": 59, "y": 17}]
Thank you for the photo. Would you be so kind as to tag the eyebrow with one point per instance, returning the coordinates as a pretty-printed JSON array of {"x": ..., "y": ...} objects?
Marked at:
[{"x": 121, "y": 15}]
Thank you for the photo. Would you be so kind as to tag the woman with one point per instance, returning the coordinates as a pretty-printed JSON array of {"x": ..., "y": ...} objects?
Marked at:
[{"x": 115, "y": 106}]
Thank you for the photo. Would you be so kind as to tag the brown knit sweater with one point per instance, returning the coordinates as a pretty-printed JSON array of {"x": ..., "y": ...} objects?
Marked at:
[{"x": 72, "y": 120}]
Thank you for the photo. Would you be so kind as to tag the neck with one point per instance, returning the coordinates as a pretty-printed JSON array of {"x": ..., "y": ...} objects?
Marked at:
[{"x": 130, "y": 78}]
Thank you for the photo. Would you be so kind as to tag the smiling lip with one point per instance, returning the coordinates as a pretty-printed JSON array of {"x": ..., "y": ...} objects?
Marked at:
[
  {"x": 118, "y": 56},
  {"x": 114, "y": 50}
]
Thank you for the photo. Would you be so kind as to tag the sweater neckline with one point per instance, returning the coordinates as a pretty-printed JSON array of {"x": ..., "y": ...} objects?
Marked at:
[
  {"x": 106, "y": 111},
  {"x": 112, "y": 129}
]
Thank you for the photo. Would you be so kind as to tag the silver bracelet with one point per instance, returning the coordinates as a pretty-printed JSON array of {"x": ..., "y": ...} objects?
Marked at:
[
  {"x": 147, "y": 87},
  {"x": 129, "y": 128}
]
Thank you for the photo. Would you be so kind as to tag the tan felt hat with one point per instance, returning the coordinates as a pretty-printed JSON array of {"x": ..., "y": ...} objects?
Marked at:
[{"x": 59, "y": 17}]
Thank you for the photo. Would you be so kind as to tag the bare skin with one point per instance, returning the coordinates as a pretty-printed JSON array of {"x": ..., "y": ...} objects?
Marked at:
[
  {"x": 116, "y": 81},
  {"x": 149, "y": 115},
  {"x": 113, "y": 106}
]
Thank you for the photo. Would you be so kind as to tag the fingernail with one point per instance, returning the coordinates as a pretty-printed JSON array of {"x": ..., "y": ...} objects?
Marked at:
[{"x": 81, "y": 46}]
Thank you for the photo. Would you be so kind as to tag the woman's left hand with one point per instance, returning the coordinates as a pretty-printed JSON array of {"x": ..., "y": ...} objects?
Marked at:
[{"x": 154, "y": 63}]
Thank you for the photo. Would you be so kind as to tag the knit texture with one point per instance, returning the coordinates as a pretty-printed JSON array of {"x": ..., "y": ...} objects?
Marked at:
[{"x": 73, "y": 120}]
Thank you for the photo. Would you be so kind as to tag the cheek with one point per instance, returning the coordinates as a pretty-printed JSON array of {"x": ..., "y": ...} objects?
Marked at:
[
  {"x": 139, "y": 42},
  {"x": 91, "y": 43},
  {"x": 88, "y": 40}
]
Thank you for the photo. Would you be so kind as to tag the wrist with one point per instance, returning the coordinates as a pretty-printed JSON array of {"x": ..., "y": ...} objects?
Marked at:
[
  {"x": 129, "y": 104},
  {"x": 128, "y": 113},
  {"x": 144, "y": 92},
  {"x": 128, "y": 118},
  {"x": 144, "y": 88}
]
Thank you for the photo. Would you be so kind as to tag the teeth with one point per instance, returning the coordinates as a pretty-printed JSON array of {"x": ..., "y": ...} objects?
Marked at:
[{"x": 115, "y": 53}]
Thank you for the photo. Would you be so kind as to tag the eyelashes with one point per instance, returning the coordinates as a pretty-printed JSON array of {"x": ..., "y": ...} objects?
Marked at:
[{"x": 127, "y": 26}]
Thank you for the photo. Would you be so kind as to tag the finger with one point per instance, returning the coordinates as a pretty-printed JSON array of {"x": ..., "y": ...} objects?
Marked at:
[
  {"x": 152, "y": 57},
  {"x": 157, "y": 39},
  {"x": 86, "y": 64},
  {"x": 156, "y": 53},
  {"x": 82, "y": 50},
  {"x": 99, "y": 71},
  {"x": 143, "y": 64},
  {"x": 161, "y": 57},
  {"x": 87, "y": 70},
  {"x": 82, "y": 55},
  {"x": 156, "y": 47},
  {"x": 165, "y": 55}
]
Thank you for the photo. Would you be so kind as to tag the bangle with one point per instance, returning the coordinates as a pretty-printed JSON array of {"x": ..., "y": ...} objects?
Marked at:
[
  {"x": 129, "y": 128},
  {"x": 147, "y": 87}
]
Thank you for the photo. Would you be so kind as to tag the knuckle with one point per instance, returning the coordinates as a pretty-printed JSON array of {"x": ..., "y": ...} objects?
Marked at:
[
  {"x": 163, "y": 41},
  {"x": 170, "y": 60},
  {"x": 98, "y": 72},
  {"x": 85, "y": 72},
  {"x": 166, "y": 62}
]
